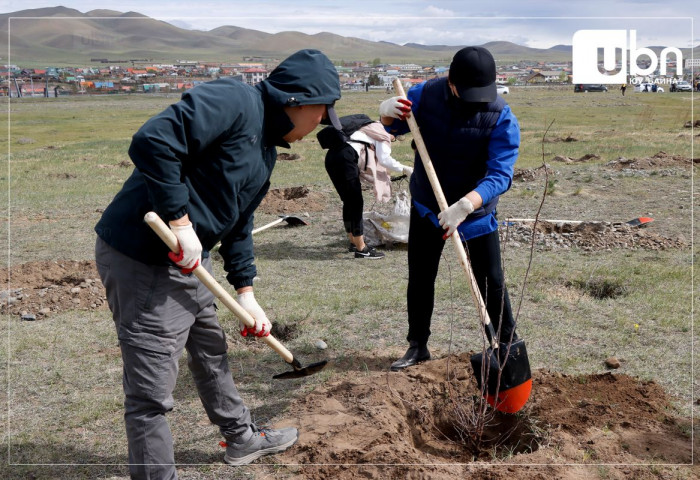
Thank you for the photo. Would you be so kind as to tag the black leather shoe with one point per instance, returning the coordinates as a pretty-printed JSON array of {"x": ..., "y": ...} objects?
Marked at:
[{"x": 414, "y": 354}]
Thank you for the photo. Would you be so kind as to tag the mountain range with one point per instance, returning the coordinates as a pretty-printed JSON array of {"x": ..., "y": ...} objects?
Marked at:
[{"x": 60, "y": 36}]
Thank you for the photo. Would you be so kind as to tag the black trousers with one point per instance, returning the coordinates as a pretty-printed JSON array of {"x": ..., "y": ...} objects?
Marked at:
[
  {"x": 341, "y": 165},
  {"x": 425, "y": 245}
]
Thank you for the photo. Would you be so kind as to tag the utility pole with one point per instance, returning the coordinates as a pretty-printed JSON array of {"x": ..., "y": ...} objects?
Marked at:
[{"x": 19, "y": 92}]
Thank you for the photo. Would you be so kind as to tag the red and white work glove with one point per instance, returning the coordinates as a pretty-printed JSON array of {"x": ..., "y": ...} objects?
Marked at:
[
  {"x": 396, "y": 107},
  {"x": 454, "y": 215},
  {"x": 190, "y": 255},
  {"x": 262, "y": 324}
]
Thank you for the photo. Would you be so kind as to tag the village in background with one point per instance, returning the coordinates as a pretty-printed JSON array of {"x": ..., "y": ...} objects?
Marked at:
[{"x": 144, "y": 76}]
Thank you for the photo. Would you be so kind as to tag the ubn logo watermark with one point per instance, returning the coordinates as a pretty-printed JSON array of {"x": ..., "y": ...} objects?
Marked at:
[{"x": 587, "y": 46}]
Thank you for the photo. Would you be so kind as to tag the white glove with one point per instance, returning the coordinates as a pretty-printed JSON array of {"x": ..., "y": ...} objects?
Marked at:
[
  {"x": 395, "y": 107},
  {"x": 408, "y": 171},
  {"x": 262, "y": 324},
  {"x": 190, "y": 254},
  {"x": 454, "y": 215}
]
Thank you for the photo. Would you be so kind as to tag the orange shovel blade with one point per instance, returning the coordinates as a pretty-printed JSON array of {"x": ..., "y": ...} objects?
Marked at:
[
  {"x": 640, "y": 221},
  {"x": 513, "y": 382},
  {"x": 511, "y": 400}
]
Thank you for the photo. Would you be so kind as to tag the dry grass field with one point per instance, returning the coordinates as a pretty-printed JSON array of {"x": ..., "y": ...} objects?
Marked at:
[{"x": 593, "y": 292}]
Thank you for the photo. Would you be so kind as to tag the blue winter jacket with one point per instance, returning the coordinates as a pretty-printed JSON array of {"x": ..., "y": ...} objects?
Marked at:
[
  {"x": 473, "y": 146},
  {"x": 210, "y": 156}
]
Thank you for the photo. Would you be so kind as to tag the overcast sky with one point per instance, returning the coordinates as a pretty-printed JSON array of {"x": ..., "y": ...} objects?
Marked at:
[{"x": 540, "y": 24}]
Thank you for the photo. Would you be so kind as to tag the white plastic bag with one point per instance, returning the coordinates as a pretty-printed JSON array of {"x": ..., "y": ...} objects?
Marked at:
[{"x": 389, "y": 229}]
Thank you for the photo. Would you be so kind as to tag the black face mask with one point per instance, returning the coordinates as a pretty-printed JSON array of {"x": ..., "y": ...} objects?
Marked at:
[
  {"x": 331, "y": 138},
  {"x": 454, "y": 101},
  {"x": 277, "y": 125},
  {"x": 464, "y": 108}
]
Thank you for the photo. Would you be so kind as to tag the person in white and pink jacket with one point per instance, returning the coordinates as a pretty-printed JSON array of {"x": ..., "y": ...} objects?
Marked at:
[{"x": 360, "y": 152}]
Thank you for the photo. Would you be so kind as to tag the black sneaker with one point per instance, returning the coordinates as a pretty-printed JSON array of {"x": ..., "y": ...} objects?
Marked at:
[
  {"x": 368, "y": 252},
  {"x": 263, "y": 442}
]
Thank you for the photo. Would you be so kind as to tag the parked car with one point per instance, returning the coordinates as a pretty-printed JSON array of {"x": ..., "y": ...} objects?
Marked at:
[
  {"x": 582, "y": 87},
  {"x": 683, "y": 86},
  {"x": 648, "y": 87},
  {"x": 502, "y": 89}
]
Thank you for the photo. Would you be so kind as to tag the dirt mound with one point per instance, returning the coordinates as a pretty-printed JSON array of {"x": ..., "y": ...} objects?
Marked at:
[
  {"x": 406, "y": 425},
  {"x": 659, "y": 160},
  {"x": 292, "y": 200},
  {"x": 566, "y": 139},
  {"x": 588, "y": 236},
  {"x": 40, "y": 289},
  {"x": 584, "y": 158},
  {"x": 529, "y": 174},
  {"x": 122, "y": 164},
  {"x": 288, "y": 156}
]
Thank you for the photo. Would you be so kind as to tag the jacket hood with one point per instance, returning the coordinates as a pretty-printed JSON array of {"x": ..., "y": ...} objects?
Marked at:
[{"x": 306, "y": 77}]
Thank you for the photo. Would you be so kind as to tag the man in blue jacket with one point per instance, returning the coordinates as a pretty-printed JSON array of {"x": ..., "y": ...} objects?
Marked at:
[
  {"x": 473, "y": 139},
  {"x": 204, "y": 166}
]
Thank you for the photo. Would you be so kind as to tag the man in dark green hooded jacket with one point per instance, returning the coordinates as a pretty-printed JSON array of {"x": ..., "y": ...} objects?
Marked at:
[{"x": 204, "y": 166}]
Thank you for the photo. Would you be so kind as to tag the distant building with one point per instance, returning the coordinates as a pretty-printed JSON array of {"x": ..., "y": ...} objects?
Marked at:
[
  {"x": 553, "y": 76},
  {"x": 691, "y": 63},
  {"x": 535, "y": 77},
  {"x": 156, "y": 87},
  {"x": 251, "y": 76}
]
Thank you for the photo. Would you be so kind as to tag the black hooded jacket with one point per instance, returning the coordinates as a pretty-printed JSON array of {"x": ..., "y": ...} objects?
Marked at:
[{"x": 210, "y": 156}]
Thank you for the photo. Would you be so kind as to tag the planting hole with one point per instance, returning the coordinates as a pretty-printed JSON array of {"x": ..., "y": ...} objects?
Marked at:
[
  {"x": 283, "y": 332},
  {"x": 600, "y": 288}
]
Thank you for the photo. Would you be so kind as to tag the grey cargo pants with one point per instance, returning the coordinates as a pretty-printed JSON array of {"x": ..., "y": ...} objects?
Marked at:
[{"x": 158, "y": 312}]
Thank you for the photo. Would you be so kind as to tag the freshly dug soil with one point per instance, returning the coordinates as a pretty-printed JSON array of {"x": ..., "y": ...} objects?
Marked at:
[
  {"x": 292, "y": 200},
  {"x": 419, "y": 424},
  {"x": 657, "y": 161},
  {"x": 588, "y": 236},
  {"x": 41, "y": 289}
]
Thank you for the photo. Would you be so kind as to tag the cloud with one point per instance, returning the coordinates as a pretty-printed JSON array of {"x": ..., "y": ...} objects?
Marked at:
[
  {"x": 182, "y": 24},
  {"x": 433, "y": 11}
]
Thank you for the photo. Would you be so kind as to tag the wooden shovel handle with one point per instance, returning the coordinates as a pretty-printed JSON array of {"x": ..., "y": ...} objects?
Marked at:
[
  {"x": 271, "y": 224},
  {"x": 165, "y": 234},
  {"x": 442, "y": 203}
]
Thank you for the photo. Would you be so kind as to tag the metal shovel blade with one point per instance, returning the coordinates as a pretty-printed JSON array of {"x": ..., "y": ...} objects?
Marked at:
[
  {"x": 300, "y": 371},
  {"x": 510, "y": 392},
  {"x": 293, "y": 221}
]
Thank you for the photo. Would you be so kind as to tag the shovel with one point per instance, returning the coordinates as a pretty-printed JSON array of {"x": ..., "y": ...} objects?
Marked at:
[
  {"x": 639, "y": 222},
  {"x": 635, "y": 222},
  {"x": 165, "y": 234},
  {"x": 291, "y": 220},
  {"x": 506, "y": 367}
]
